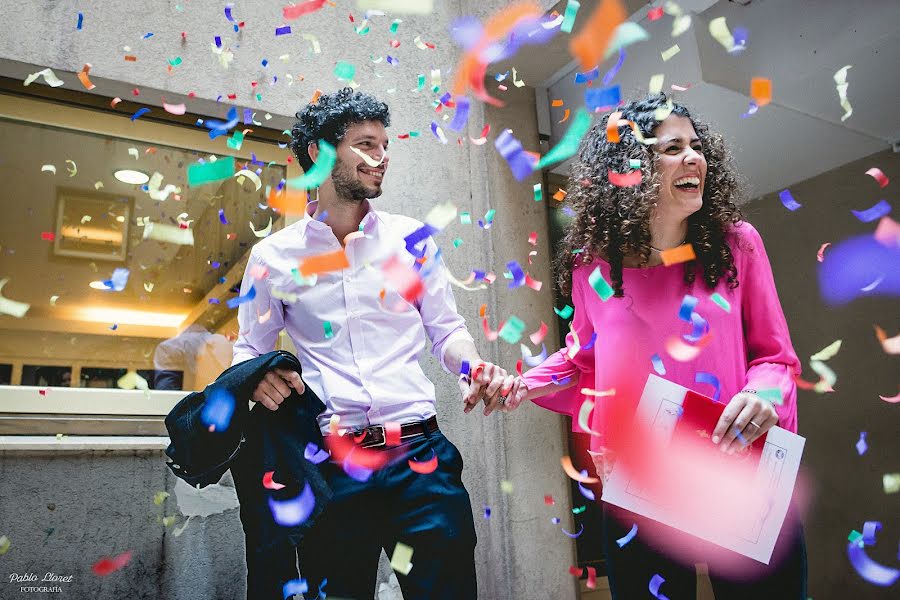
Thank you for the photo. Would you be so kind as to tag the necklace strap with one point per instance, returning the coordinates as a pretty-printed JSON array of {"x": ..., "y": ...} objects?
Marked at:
[{"x": 681, "y": 243}]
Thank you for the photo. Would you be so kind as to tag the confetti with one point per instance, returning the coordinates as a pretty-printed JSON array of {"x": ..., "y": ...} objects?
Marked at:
[
  {"x": 410, "y": 7},
  {"x": 683, "y": 352},
  {"x": 589, "y": 46},
  {"x": 568, "y": 145},
  {"x": 314, "y": 454},
  {"x": 250, "y": 295},
  {"x": 401, "y": 557},
  {"x": 787, "y": 199},
  {"x": 569, "y": 17},
  {"x": 600, "y": 285},
  {"x": 49, "y": 76},
  {"x": 574, "y": 535},
  {"x": 512, "y": 330},
  {"x": 538, "y": 336},
  {"x": 878, "y": 176},
  {"x": 718, "y": 29},
  {"x": 565, "y": 312},
  {"x": 424, "y": 467},
  {"x": 582, "y": 477},
  {"x": 628, "y": 536},
  {"x": 163, "y": 232},
  {"x": 269, "y": 483},
  {"x": 602, "y": 99},
  {"x": 329, "y": 333},
  {"x": 669, "y": 53},
  {"x": 293, "y": 512},
  {"x": 828, "y": 352},
  {"x": 709, "y": 378},
  {"x": 140, "y": 113},
  {"x": 875, "y": 212},
  {"x": 861, "y": 445},
  {"x": 890, "y": 345},
  {"x": 841, "y": 85},
  {"x": 105, "y": 565},
  {"x": 202, "y": 173},
  {"x": 4, "y": 544},
  {"x": 761, "y": 90},
  {"x": 295, "y": 11},
  {"x": 868, "y": 569},
  {"x": 319, "y": 171},
  {"x": 655, "y": 582},
  {"x": 630, "y": 179},
  {"x": 323, "y": 263},
  {"x": 11, "y": 307},
  {"x": 512, "y": 152},
  {"x": 891, "y": 483},
  {"x": 625, "y": 34},
  {"x": 721, "y": 302},
  {"x": 294, "y": 587}
]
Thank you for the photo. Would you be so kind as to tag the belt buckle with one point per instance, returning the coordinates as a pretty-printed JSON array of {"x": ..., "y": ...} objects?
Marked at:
[{"x": 383, "y": 441}]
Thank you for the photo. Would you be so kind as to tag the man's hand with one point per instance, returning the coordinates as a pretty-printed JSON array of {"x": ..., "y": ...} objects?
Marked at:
[
  {"x": 748, "y": 414},
  {"x": 516, "y": 395},
  {"x": 489, "y": 382},
  {"x": 276, "y": 386}
]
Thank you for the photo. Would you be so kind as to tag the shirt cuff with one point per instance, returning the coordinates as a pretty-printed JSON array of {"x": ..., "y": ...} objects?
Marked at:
[{"x": 460, "y": 334}]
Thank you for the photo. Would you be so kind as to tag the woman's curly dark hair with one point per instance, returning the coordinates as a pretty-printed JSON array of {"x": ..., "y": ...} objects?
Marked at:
[
  {"x": 328, "y": 117},
  {"x": 614, "y": 222}
]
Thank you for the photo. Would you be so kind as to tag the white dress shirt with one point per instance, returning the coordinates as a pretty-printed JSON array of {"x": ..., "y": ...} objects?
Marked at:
[{"x": 368, "y": 371}]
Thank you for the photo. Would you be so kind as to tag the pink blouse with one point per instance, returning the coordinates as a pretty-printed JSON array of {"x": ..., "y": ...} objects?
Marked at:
[{"x": 748, "y": 345}]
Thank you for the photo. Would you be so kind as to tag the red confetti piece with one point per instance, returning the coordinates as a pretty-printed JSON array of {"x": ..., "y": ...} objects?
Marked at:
[
  {"x": 879, "y": 176},
  {"x": 548, "y": 500},
  {"x": 135, "y": 92},
  {"x": 42, "y": 392},
  {"x": 630, "y": 179},
  {"x": 538, "y": 336},
  {"x": 519, "y": 367},
  {"x": 304, "y": 8},
  {"x": 424, "y": 467},
  {"x": 130, "y": 58},
  {"x": 576, "y": 571},
  {"x": 105, "y": 565},
  {"x": 655, "y": 14},
  {"x": 532, "y": 238},
  {"x": 592, "y": 578},
  {"x": 269, "y": 483},
  {"x": 115, "y": 101},
  {"x": 48, "y": 236},
  {"x": 392, "y": 433}
]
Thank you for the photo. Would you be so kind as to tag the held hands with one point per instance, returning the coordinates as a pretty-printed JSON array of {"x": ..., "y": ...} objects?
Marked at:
[
  {"x": 494, "y": 385},
  {"x": 276, "y": 386},
  {"x": 748, "y": 414}
]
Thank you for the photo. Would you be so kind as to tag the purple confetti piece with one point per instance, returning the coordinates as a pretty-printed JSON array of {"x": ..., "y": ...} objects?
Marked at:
[
  {"x": 788, "y": 200},
  {"x": 80, "y": 21},
  {"x": 861, "y": 445},
  {"x": 250, "y": 295},
  {"x": 628, "y": 536},
  {"x": 355, "y": 471},
  {"x": 392, "y": 61},
  {"x": 438, "y": 133},
  {"x": 487, "y": 512},
  {"x": 445, "y": 99},
  {"x": 294, "y": 587},
  {"x": 658, "y": 365},
  {"x": 140, "y": 112},
  {"x": 611, "y": 74},
  {"x": 587, "y": 75},
  {"x": 590, "y": 343},
  {"x": 751, "y": 110},
  {"x": 533, "y": 361},
  {"x": 215, "y": 264},
  {"x": 656, "y": 581},
  {"x": 701, "y": 327},
  {"x": 280, "y": 185},
  {"x": 217, "y": 410},
  {"x": 462, "y": 114},
  {"x": 587, "y": 493},
  {"x": 248, "y": 118},
  {"x": 214, "y": 301},
  {"x": 870, "y": 570},
  {"x": 555, "y": 520},
  {"x": 222, "y": 216},
  {"x": 740, "y": 35},
  {"x": 517, "y": 273},
  {"x": 871, "y": 214},
  {"x": 603, "y": 98},
  {"x": 704, "y": 377},
  {"x": 559, "y": 381},
  {"x": 464, "y": 368},
  {"x": 479, "y": 275},
  {"x": 856, "y": 263},
  {"x": 574, "y": 535},
  {"x": 688, "y": 304},
  {"x": 870, "y": 528},
  {"x": 283, "y": 30},
  {"x": 314, "y": 454},
  {"x": 290, "y": 513},
  {"x": 419, "y": 235},
  {"x": 512, "y": 152}
]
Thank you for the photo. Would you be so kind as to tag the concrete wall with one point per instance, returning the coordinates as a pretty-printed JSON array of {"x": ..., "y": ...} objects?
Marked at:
[
  {"x": 846, "y": 488},
  {"x": 104, "y": 502}
]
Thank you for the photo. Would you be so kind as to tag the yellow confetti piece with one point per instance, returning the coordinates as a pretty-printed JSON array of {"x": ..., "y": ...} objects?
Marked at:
[
  {"x": 656, "y": 83},
  {"x": 720, "y": 32},
  {"x": 506, "y": 487},
  {"x": 681, "y": 24},
  {"x": 249, "y": 175},
  {"x": 265, "y": 231},
  {"x": 667, "y": 54},
  {"x": 401, "y": 559},
  {"x": 132, "y": 380},
  {"x": 4, "y": 544},
  {"x": 48, "y": 169},
  {"x": 11, "y": 307},
  {"x": 160, "y": 497},
  {"x": 369, "y": 160},
  {"x": 890, "y": 481},
  {"x": 73, "y": 170},
  {"x": 840, "y": 80},
  {"x": 49, "y": 76},
  {"x": 441, "y": 215},
  {"x": 828, "y": 352},
  {"x": 516, "y": 82}
]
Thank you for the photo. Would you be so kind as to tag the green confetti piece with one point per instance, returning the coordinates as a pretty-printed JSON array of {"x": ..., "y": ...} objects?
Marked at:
[
  {"x": 329, "y": 333},
  {"x": 200, "y": 173},
  {"x": 167, "y": 521},
  {"x": 565, "y": 313},
  {"x": 855, "y": 537},
  {"x": 319, "y": 171},
  {"x": 421, "y": 83},
  {"x": 465, "y": 218},
  {"x": 507, "y": 275},
  {"x": 538, "y": 192},
  {"x": 345, "y": 71},
  {"x": 578, "y": 251},
  {"x": 634, "y": 163},
  {"x": 363, "y": 31},
  {"x": 395, "y": 25},
  {"x": 236, "y": 140},
  {"x": 259, "y": 97},
  {"x": 174, "y": 61},
  {"x": 772, "y": 395},
  {"x": 512, "y": 330},
  {"x": 569, "y": 17},
  {"x": 579, "y": 510},
  {"x": 160, "y": 497},
  {"x": 603, "y": 289},
  {"x": 413, "y": 134},
  {"x": 457, "y": 242},
  {"x": 489, "y": 215},
  {"x": 722, "y": 302},
  {"x": 4, "y": 544},
  {"x": 568, "y": 146},
  {"x": 828, "y": 352}
]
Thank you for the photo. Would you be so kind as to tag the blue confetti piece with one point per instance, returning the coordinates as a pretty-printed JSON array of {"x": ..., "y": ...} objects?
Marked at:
[
  {"x": 870, "y": 214},
  {"x": 611, "y": 74},
  {"x": 788, "y": 200},
  {"x": 740, "y": 437},
  {"x": 688, "y": 304},
  {"x": 587, "y": 75},
  {"x": 217, "y": 410},
  {"x": 591, "y": 343},
  {"x": 286, "y": 29},
  {"x": 628, "y": 536},
  {"x": 294, "y": 587},
  {"x": 222, "y": 216},
  {"x": 250, "y": 295},
  {"x": 80, "y": 21},
  {"x": 518, "y": 275},
  {"x": 603, "y": 98},
  {"x": 861, "y": 445},
  {"x": 218, "y": 41},
  {"x": 147, "y": 35},
  {"x": 704, "y": 377},
  {"x": 655, "y": 582},
  {"x": 464, "y": 368},
  {"x": 658, "y": 365},
  {"x": 140, "y": 112},
  {"x": 487, "y": 512}
]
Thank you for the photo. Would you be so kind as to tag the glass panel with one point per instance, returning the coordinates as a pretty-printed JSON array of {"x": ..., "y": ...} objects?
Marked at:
[
  {"x": 81, "y": 246},
  {"x": 47, "y": 376}
]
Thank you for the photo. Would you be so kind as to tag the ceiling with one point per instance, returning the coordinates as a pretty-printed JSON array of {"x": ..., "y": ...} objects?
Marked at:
[{"x": 798, "y": 44}]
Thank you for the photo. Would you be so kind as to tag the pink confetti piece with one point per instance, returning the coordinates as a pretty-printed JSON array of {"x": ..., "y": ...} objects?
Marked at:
[
  {"x": 820, "y": 255},
  {"x": 878, "y": 176}
]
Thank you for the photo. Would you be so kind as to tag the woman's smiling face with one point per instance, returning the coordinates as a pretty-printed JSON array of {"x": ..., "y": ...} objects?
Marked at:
[{"x": 681, "y": 165}]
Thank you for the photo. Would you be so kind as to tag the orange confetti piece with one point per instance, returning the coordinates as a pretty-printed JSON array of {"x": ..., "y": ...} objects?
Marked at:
[
  {"x": 323, "y": 263},
  {"x": 569, "y": 468},
  {"x": 288, "y": 201},
  {"x": 761, "y": 90},
  {"x": 674, "y": 256},
  {"x": 590, "y": 43},
  {"x": 315, "y": 97},
  {"x": 114, "y": 101},
  {"x": 565, "y": 116},
  {"x": 425, "y": 467},
  {"x": 560, "y": 195},
  {"x": 131, "y": 58},
  {"x": 890, "y": 345},
  {"x": 83, "y": 77},
  {"x": 556, "y": 103},
  {"x": 612, "y": 127}
]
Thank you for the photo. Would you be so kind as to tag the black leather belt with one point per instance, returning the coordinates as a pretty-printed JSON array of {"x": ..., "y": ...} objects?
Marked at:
[{"x": 374, "y": 436}]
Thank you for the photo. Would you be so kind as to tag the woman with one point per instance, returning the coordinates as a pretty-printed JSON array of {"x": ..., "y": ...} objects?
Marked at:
[{"x": 686, "y": 195}]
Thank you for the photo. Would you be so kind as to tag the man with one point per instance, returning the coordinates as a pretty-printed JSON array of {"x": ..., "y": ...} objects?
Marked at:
[{"x": 358, "y": 341}]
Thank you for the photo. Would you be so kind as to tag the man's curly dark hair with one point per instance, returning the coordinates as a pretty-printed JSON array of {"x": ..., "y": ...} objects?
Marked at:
[
  {"x": 614, "y": 222},
  {"x": 327, "y": 119}
]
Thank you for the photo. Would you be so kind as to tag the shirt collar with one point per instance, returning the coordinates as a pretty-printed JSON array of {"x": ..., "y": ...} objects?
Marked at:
[{"x": 369, "y": 221}]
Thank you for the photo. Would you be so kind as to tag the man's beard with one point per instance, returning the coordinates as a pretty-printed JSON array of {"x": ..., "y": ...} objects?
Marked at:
[{"x": 349, "y": 187}]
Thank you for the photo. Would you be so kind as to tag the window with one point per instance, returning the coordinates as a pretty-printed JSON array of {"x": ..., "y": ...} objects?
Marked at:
[{"x": 124, "y": 266}]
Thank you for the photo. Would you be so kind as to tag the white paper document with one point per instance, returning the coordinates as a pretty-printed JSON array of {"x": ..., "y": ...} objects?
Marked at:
[{"x": 778, "y": 461}]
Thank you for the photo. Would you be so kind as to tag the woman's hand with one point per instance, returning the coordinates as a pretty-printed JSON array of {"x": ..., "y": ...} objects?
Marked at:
[
  {"x": 748, "y": 414},
  {"x": 515, "y": 395}
]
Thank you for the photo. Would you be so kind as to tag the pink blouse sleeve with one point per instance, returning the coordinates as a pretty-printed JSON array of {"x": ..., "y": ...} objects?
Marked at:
[
  {"x": 558, "y": 364},
  {"x": 772, "y": 362}
]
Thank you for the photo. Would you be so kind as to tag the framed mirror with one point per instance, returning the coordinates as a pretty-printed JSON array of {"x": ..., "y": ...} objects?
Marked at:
[{"x": 92, "y": 224}]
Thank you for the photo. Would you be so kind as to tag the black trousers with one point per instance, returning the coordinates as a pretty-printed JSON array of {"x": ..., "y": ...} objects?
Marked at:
[
  {"x": 430, "y": 512},
  {"x": 631, "y": 567}
]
